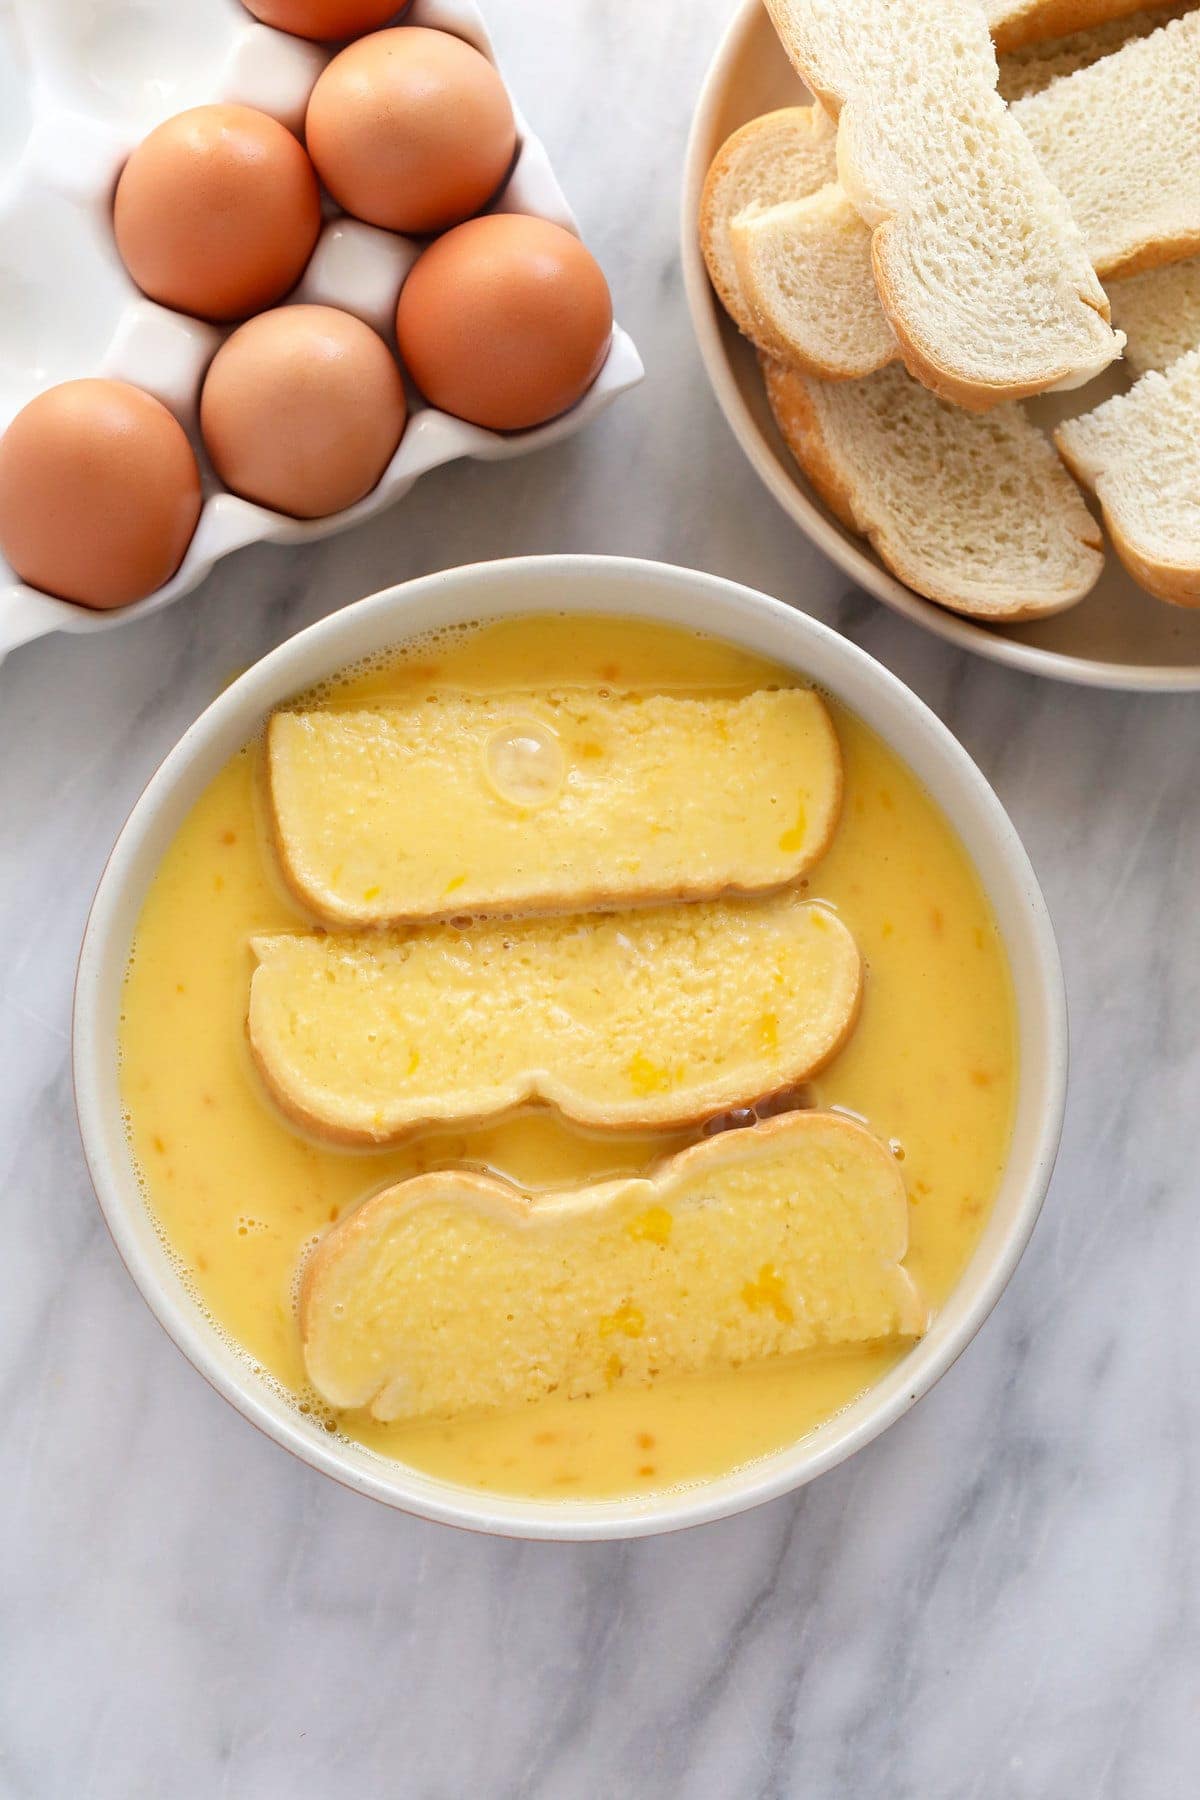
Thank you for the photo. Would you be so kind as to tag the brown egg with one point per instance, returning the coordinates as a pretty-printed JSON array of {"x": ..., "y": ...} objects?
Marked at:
[
  {"x": 302, "y": 409},
  {"x": 217, "y": 212},
  {"x": 411, "y": 129},
  {"x": 324, "y": 20},
  {"x": 99, "y": 493},
  {"x": 505, "y": 321}
]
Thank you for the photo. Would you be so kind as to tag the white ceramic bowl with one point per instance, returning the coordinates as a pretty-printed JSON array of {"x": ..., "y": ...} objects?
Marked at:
[
  {"x": 80, "y": 85},
  {"x": 576, "y": 584},
  {"x": 1117, "y": 637}
]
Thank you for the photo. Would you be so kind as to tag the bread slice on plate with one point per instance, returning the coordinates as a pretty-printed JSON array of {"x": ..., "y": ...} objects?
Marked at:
[
  {"x": 467, "y": 803},
  {"x": 1159, "y": 312},
  {"x": 1121, "y": 139},
  {"x": 1015, "y": 23},
  {"x": 981, "y": 270},
  {"x": 973, "y": 511},
  {"x": 661, "y": 1016},
  {"x": 1033, "y": 67},
  {"x": 1140, "y": 454},
  {"x": 453, "y": 1292},
  {"x": 780, "y": 156}
]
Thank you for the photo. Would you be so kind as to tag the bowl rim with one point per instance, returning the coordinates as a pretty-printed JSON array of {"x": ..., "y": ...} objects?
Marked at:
[
  {"x": 830, "y": 538},
  {"x": 476, "y": 593}
]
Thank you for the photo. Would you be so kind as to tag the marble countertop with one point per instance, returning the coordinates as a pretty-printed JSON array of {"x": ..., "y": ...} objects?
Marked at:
[{"x": 997, "y": 1599}]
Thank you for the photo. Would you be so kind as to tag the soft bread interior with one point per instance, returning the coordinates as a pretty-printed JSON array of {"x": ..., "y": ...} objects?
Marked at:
[
  {"x": 1121, "y": 139},
  {"x": 654, "y": 1017},
  {"x": 1159, "y": 312},
  {"x": 558, "y": 801},
  {"x": 805, "y": 270},
  {"x": 780, "y": 156},
  {"x": 972, "y": 510},
  {"x": 453, "y": 1292},
  {"x": 981, "y": 270},
  {"x": 1033, "y": 67}
]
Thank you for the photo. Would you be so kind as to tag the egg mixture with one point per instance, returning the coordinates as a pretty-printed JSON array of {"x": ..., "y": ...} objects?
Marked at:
[{"x": 241, "y": 1197}]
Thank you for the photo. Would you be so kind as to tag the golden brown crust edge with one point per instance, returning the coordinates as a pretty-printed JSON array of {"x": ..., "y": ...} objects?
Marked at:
[
  {"x": 777, "y": 12},
  {"x": 1176, "y": 583},
  {"x": 800, "y": 427},
  {"x": 706, "y": 224},
  {"x": 1151, "y": 253}
]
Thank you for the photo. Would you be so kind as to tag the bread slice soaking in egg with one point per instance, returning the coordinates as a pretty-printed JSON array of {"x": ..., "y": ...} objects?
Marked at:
[
  {"x": 453, "y": 1292},
  {"x": 473, "y": 803},
  {"x": 621, "y": 1021}
]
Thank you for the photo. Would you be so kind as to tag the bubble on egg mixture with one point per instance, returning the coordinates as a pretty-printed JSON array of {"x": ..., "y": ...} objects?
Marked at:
[
  {"x": 396, "y": 659},
  {"x": 524, "y": 763},
  {"x": 302, "y": 1261}
]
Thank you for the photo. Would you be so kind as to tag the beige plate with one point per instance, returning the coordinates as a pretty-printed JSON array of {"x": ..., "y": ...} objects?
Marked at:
[{"x": 1118, "y": 637}]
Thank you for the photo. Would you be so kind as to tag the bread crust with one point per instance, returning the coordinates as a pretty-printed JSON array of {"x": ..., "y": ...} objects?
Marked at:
[
  {"x": 1152, "y": 253},
  {"x": 800, "y": 427},
  {"x": 1176, "y": 583}
]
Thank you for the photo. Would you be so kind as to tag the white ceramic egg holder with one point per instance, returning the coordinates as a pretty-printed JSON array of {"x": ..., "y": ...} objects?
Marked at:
[{"x": 80, "y": 85}]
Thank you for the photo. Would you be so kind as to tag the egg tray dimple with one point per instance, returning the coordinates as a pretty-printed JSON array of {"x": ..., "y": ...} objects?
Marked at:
[{"x": 79, "y": 87}]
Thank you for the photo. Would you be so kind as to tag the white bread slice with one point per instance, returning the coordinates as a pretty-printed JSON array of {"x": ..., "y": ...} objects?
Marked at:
[
  {"x": 805, "y": 272},
  {"x": 1140, "y": 454},
  {"x": 973, "y": 511},
  {"x": 1015, "y": 23},
  {"x": 981, "y": 270},
  {"x": 1122, "y": 141},
  {"x": 1159, "y": 312},
  {"x": 554, "y": 801},
  {"x": 661, "y": 1016},
  {"x": 1036, "y": 65},
  {"x": 780, "y": 156},
  {"x": 454, "y": 1292}
]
